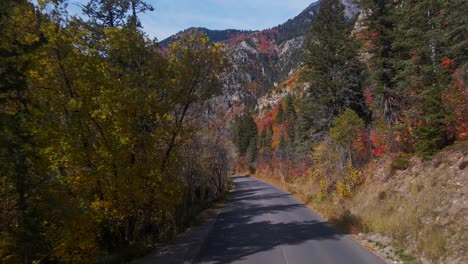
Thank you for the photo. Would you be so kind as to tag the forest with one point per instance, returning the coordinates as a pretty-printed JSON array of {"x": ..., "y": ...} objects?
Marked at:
[
  {"x": 374, "y": 93},
  {"x": 105, "y": 144},
  {"x": 111, "y": 143},
  {"x": 392, "y": 80}
]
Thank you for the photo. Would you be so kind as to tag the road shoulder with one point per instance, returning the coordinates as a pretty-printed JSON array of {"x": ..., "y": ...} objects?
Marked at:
[{"x": 186, "y": 247}]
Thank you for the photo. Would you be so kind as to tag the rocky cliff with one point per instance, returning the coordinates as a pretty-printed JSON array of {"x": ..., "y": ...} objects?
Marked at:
[{"x": 260, "y": 59}]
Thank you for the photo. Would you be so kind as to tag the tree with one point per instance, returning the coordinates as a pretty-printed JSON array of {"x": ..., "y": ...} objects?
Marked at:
[
  {"x": 345, "y": 130},
  {"x": 102, "y": 146},
  {"x": 108, "y": 13},
  {"x": 380, "y": 22},
  {"x": 280, "y": 115},
  {"x": 136, "y": 7},
  {"x": 195, "y": 65},
  {"x": 335, "y": 72},
  {"x": 21, "y": 177},
  {"x": 245, "y": 134},
  {"x": 422, "y": 76},
  {"x": 290, "y": 108}
]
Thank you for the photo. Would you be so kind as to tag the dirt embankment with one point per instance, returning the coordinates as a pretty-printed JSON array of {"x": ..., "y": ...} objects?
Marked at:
[{"x": 407, "y": 209}]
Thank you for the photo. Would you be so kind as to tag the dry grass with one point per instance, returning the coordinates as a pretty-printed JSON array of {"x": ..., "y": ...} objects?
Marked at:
[
  {"x": 409, "y": 204},
  {"x": 405, "y": 214}
]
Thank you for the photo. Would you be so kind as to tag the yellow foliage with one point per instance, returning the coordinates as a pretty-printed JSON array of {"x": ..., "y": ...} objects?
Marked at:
[
  {"x": 353, "y": 177},
  {"x": 343, "y": 189}
]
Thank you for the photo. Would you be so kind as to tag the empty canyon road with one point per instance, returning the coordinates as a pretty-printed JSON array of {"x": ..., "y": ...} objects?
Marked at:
[{"x": 263, "y": 224}]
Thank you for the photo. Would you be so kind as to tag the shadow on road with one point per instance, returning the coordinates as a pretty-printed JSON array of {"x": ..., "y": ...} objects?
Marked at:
[{"x": 245, "y": 228}]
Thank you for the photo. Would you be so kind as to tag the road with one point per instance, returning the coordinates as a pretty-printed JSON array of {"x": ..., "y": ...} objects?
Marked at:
[{"x": 262, "y": 224}]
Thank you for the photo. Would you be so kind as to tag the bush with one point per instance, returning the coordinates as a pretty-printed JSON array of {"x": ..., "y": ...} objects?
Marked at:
[{"x": 402, "y": 162}]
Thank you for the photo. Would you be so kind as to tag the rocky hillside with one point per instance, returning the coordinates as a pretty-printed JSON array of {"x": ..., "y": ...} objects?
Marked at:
[
  {"x": 213, "y": 35},
  {"x": 261, "y": 59}
]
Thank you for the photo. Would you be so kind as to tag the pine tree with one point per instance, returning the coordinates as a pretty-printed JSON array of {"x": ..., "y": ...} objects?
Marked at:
[
  {"x": 421, "y": 77},
  {"x": 263, "y": 138},
  {"x": 107, "y": 13},
  {"x": 380, "y": 22},
  {"x": 283, "y": 152},
  {"x": 290, "y": 109},
  {"x": 336, "y": 73},
  {"x": 280, "y": 115},
  {"x": 245, "y": 133}
]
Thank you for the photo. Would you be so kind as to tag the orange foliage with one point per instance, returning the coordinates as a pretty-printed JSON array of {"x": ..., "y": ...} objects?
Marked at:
[
  {"x": 291, "y": 81},
  {"x": 368, "y": 96},
  {"x": 378, "y": 141},
  {"x": 457, "y": 98},
  {"x": 362, "y": 144},
  {"x": 242, "y": 165},
  {"x": 265, "y": 41},
  {"x": 448, "y": 64}
]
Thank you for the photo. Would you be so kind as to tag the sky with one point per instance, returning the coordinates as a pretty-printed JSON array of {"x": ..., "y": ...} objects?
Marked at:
[{"x": 172, "y": 16}]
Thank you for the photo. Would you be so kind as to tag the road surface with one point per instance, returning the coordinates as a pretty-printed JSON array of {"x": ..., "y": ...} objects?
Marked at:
[{"x": 262, "y": 224}]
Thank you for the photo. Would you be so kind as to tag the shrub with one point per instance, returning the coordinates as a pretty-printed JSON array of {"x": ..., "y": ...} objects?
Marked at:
[{"x": 400, "y": 163}]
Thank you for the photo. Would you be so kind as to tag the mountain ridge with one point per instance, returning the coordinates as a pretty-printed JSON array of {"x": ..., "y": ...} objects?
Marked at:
[{"x": 260, "y": 59}]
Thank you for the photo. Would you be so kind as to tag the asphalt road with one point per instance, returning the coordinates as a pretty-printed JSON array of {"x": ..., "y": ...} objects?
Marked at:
[{"x": 263, "y": 224}]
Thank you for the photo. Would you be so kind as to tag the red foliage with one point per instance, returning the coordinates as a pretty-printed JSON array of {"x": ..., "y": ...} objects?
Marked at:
[
  {"x": 368, "y": 96},
  {"x": 265, "y": 122},
  {"x": 378, "y": 141},
  {"x": 415, "y": 57},
  {"x": 291, "y": 81},
  {"x": 236, "y": 39},
  {"x": 265, "y": 42},
  {"x": 242, "y": 165},
  {"x": 378, "y": 151},
  {"x": 416, "y": 91},
  {"x": 448, "y": 64},
  {"x": 370, "y": 46},
  {"x": 456, "y": 99},
  {"x": 375, "y": 34}
]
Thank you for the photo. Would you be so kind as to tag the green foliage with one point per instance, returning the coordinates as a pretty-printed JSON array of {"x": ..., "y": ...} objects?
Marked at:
[
  {"x": 290, "y": 110},
  {"x": 402, "y": 162},
  {"x": 280, "y": 116},
  {"x": 335, "y": 75},
  {"x": 417, "y": 45},
  {"x": 346, "y": 128},
  {"x": 245, "y": 133},
  {"x": 381, "y": 21},
  {"x": 96, "y": 148}
]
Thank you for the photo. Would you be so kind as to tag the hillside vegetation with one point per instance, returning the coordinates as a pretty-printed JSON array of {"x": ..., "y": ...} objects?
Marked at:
[
  {"x": 104, "y": 147},
  {"x": 110, "y": 142},
  {"x": 357, "y": 130}
]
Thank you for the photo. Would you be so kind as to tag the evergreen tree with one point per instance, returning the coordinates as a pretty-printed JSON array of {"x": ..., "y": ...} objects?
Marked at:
[
  {"x": 422, "y": 48},
  {"x": 336, "y": 73},
  {"x": 245, "y": 133},
  {"x": 136, "y": 7},
  {"x": 107, "y": 13},
  {"x": 263, "y": 138},
  {"x": 290, "y": 113},
  {"x": 380, "y": 23},
  {"x": 283, "y": 149},
  {"x": 253, "y": 152},
  {"x": 290, "y": 108},
  {"x": 280, "y": 115}
]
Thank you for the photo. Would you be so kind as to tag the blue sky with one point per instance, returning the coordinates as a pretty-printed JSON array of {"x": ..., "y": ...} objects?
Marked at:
[{"x": 172, "y": 16}]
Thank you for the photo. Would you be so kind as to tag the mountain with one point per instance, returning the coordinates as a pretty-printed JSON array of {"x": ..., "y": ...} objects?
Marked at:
[
  {"x": 260, "y": 59},
  {"x": 213, "y": 35}
]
